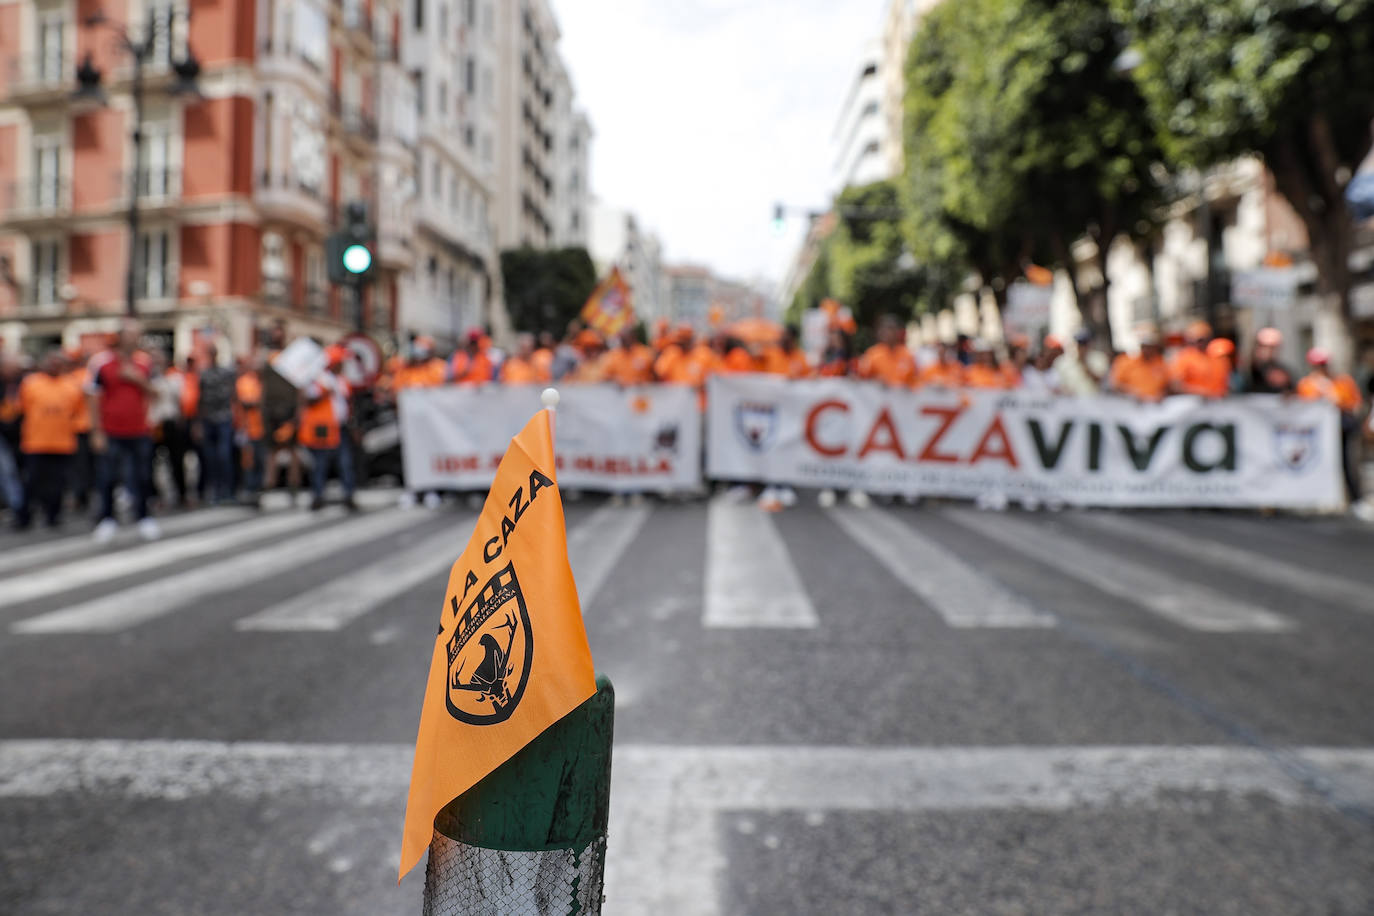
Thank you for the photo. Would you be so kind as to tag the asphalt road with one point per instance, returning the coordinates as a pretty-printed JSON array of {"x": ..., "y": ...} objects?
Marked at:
[{"x": 893, "y": 710}]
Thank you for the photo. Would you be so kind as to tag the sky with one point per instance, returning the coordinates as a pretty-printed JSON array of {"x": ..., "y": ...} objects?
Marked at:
[{"x": 708, "y": 112}]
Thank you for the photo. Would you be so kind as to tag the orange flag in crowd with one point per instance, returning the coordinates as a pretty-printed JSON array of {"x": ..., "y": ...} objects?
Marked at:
[
  {"x": 610, "y": 308},
  {"x": 511, "y": 657}
]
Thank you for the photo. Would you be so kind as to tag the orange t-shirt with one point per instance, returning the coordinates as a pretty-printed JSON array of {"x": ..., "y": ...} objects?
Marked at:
[
  {"x": 190, "y": 392},
  {"x": 1141, "y": 378},
  {"x": 77, "y": 377},
  {"x": 517, "y": 371},
  {"x": 542, "y": 360},
  {"x": 427, "y": 374},
  {"x": 988, "y": 377},
  {"x": 777, "y": 361},
  {"x": 51, "y": 405},
  {"x": 738, "y": 360},
  {"x": 1194, "y": 372},
  {"x": 1340, "y": 390},
  {"x": 248, "y": 405},
  {"x": 891, "y": 364},
  {"x": 471, "y": 370},
  {"x": 632, "y": 365},
  {"x": 943, "y": 375}
]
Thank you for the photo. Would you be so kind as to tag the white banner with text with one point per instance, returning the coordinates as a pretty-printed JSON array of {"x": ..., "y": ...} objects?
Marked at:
[
  {"x": 607, "y": 438},
  {"x": 1253, "y": 450}
]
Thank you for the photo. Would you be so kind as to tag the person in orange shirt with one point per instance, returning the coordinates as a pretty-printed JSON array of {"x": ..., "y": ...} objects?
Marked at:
[
  {"x": 837, "y": 359},
  {"x": 1192, "y": 370},
  {"x": 1340, "y": 389},
  {"x": 542, "y": 359},
  {"x": 472, "y": 365},
  {"x": 81, "y": 473},
  {"x": 1223, "y": 352},
  {"x": 51, "y": 403},
  {"x": 519, "y": 368},
  {"x": 1144, "y": 376},
  {"x": 592, "y": 366},
  {"x": 422, "y": 369},
  {"x": 786, "y": 358},
  {"x": 671, "y": 364},
  {"x": 889, "y": 360},
  {"x": 630, "y": 362},
  {"x": 947, "y": 371},
  {"x": 984, "y": 372},
  {"x": 737, "y": 357},
  {"x": 250, "y": 426},
  {"x": 323, "y": 421}
]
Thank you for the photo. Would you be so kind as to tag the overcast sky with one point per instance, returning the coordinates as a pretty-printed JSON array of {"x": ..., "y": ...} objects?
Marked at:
[{"x": 706, "y": 112}]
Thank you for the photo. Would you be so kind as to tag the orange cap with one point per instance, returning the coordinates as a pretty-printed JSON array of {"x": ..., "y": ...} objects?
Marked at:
[{"x": 1220, "y": 347}]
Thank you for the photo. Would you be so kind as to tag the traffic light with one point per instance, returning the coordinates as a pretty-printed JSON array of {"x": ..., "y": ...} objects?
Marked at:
[
  {"x": 779, "y": 218},
  {"x": 350, "y": 251}
]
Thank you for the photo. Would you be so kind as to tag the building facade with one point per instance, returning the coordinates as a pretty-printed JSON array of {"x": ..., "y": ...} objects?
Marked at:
[
  {"x": 616, "y": 239},
  {"x": 237, "y": 182}
]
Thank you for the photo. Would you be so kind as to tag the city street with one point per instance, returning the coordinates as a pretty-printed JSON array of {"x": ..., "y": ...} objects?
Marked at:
[{"x": 821, "y": 711}]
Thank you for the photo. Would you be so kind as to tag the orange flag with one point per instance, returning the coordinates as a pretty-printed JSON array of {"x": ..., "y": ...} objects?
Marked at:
[
  {"x": 511, "y": 657},
  {"x": 610, "y": 308}
]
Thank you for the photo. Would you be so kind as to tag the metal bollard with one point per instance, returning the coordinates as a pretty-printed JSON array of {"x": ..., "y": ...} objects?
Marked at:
[{"x": 530, "y": 838}]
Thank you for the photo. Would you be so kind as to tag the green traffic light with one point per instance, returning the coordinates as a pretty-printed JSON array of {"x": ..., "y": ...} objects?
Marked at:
[{"x": 357, "y": 259}]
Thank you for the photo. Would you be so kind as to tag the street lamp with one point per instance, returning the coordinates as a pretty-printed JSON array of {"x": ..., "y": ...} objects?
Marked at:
[{"x": 140, "y": 50}]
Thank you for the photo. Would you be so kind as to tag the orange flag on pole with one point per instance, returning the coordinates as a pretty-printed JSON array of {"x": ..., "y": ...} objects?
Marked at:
[
  {"x": 511, "y": 657},
  {"x": 610, "y": 308}
]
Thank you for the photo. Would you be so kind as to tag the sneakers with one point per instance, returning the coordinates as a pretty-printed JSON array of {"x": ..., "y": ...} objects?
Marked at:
[
  {"x": 433, "y": 500},
  {"x": 859, "y": 499},
  {"x": 105, "y": 531},
  {"x": 406, "y": 500},
  {"x": 826, "y": 499},
  {"x": 149, "y": 529},
  {"x": 739, "y": 494},
  {"x": 786, "y": 495},
  {"x": 316, "y": 504}
]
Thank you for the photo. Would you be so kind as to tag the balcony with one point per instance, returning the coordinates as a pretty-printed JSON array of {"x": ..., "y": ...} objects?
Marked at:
[
  {"x": 36, "y": 79},
  {"x": 41, "y": 299},
  {"x": 281, "y": 196},
  {"x": 159, "y": 188},
  {"x": 276, "y": 291},
  {"x": 355, "y": 21},
  {"x": 316, "y": 301},
  {"x": 32, "y": 203},
  {"x": 359, "y": 127}
]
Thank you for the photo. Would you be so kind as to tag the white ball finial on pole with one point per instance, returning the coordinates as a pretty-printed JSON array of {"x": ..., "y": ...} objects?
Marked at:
[{"x": 549, "y": 398}]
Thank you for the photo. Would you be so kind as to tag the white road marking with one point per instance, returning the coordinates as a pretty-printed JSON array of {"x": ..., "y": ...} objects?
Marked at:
[
  {"x": 104, "y": 568},
  {"x": 138, "y": 604},
  {"x": 663, "y": 855},
  {"x": 1187, "y": 604},
  {"x": 595, "y": 545},
  {"x": 21, "y": 558},
  {"x": 337, "y": 603},
  {"x": 958, "y": 592},
  {"x": 1249, "y": 564},
  {"x": 750, "y": 578}
]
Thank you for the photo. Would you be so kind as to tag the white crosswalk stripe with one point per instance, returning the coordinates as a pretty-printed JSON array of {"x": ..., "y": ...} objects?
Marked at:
[
  {"x": 958, "y": 592},
  {"x": 339, "y": 602},
  {"x": 751, "y": 580},
  {"x": 32, "y": 555},
  {"x": 138, "y": 604},
  {"x": 1247, "y": 564},
  {"x": 596, "y": 544},
  {"x": 106, "y": 567},
  {"x": 1194, "y": 606}
]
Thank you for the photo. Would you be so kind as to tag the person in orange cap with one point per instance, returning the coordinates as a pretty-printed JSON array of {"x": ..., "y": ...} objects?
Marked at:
[
  {"x": 593, "y": 367},
  {"x": 1267, "y": 374},
  {"x": 1143, "y": 375},
  {"x": 890, "y": 360},
  {"x": 1320, "y": 384},
  {"x": 1191, "y": 370},
  {"x": 1223, "y": 352},
  {"x": 630, "y": 362}
]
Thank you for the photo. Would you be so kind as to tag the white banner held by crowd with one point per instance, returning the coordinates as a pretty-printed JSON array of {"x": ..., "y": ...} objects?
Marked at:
[
  {"x": 645, "y": 438},
  {"x": 1254, "y": 450}
]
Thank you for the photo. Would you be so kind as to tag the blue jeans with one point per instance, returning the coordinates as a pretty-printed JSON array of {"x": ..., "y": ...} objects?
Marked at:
[
  {"x": 10, "y": 486},
  {"x": 217, "y": 448},
  {"x": 126, "y": 459},
  {"x": 252, "y": 476},
  {"x": 319, "y": 472}
]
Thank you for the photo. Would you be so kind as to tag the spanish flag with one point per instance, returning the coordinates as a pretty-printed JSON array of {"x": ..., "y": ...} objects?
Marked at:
[
  {"x": 610, "y": 309},
  {"x": 511, "y": 657}
]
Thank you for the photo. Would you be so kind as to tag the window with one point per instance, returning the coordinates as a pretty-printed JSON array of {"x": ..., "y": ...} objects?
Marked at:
[
  {"x": 443, "y": 21},
  {"x": 310, "y": 34},
  {"x": 154, "y": 172},
  {"x": 436, "y": 183},
  {"x": 316, "y": 284},
  {"x": 418, "y": 14},
  {"x": 470, "y": 75},
  {"x": 153, "y": 279},
  {"x": 575, "y": 181},
  {"x": 470, "y": 13},
  {"x": 469, "y": 136},
  {"x": 159, "y": 14},
  {"x": 51, "y": 46},
  {"x": 442, "y": 101},
  {"x": 47, "y": 171},
  {"x": 453, "y": 194},
  {"x": 46, "y": 270}
]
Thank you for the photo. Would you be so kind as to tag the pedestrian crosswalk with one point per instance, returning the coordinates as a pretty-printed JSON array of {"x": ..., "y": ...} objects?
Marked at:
[{"x": 751, "y": 570}]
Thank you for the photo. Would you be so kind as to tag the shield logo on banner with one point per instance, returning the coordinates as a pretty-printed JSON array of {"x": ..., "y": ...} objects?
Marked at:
[
  {"x": 490, "y": 652},
  {"x": 1296, "y": 446},
  {"x": 756, "y": 424}
]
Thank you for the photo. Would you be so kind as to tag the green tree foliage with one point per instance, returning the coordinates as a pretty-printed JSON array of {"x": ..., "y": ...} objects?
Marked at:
[
  {"x": 1291, "y": 80},
  {"x": 546, "y": 289},
  {"x": 1022, "y": 136}
]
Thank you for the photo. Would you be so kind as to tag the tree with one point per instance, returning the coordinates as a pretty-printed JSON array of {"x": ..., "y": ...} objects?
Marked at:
[
  {"x": 1288, "y": 80},
  {"x": 1022, "y": 136},
  {"x": 546, "y": 289},
  {"x": 867, "y": 265}
]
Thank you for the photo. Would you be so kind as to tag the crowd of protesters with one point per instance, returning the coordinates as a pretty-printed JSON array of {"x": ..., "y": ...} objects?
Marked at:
[{"x": 88, "y": 427}]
